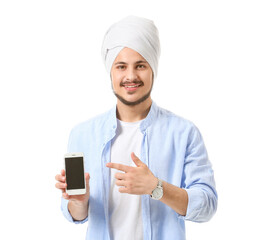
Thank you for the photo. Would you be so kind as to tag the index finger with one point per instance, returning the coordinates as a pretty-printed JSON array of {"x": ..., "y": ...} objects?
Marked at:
[{"x": 118, "y": 166}]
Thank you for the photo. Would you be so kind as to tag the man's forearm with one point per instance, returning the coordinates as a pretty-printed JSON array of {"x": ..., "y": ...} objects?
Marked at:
[
  {"x": 78, "y": 210},
  {"x": 175, "y": 197}
]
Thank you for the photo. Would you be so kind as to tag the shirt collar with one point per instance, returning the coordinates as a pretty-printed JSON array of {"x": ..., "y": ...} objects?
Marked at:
[{"x": 150, "y": 117}]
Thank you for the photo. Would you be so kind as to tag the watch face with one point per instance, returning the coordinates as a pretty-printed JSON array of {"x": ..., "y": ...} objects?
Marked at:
[{"x": 157, "y": 193}]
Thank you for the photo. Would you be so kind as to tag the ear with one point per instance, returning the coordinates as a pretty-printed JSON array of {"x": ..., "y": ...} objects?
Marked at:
[{"x": 136, "y": 160}]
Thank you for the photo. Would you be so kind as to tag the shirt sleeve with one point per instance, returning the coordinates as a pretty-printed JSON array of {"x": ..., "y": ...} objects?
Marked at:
[
  {"x": 66, "y": 213},
  {"x": 198, "y": 180}
]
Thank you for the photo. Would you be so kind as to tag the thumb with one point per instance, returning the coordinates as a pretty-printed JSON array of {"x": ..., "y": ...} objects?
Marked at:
[
  {"x": 87, "y": 180},
  {"x": 136, "y": 160}
]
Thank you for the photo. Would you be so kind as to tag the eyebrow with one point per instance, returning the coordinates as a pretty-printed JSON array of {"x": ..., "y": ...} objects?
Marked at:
[{"x": 138, "y": 62}]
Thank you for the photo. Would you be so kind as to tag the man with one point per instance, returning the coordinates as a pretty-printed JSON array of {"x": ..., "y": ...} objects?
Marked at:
[{"x": 147, "y": 169}]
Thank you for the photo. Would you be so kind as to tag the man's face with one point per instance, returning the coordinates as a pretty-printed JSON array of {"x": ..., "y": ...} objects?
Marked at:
[{"x": 132, "y": 77}]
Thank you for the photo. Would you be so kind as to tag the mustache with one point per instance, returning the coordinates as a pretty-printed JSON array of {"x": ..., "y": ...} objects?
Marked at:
[{"x": 131, "y": 82}]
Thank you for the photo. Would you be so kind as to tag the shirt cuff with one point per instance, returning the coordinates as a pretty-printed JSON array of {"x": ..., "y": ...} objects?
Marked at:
[
  {"x": 66, "y": 213},
  {"x": 194, "y": 205}
]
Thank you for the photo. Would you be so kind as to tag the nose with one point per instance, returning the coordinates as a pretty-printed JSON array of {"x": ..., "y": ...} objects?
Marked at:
[{"x": 131, "y": 74}]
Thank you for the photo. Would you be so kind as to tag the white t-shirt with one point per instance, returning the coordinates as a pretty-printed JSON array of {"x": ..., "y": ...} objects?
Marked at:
[{"x": 125, "y": 209}]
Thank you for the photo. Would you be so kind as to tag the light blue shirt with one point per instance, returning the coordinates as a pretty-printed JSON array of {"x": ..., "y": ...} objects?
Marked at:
[{"x": 174, "y": 151}]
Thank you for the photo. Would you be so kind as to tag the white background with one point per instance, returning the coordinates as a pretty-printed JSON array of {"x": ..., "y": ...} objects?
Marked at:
[{"x": 52, "y": 77}]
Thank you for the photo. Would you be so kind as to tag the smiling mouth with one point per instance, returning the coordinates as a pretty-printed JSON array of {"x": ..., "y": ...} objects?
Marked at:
[{"x": 131, "y": 86}]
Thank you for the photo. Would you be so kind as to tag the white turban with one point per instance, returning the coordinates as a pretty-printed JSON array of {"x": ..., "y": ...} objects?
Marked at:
[{"x": 137, "y": 33}]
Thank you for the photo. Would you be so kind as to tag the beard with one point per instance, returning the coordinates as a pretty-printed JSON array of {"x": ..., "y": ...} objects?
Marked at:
[{"x": 138, "y": 101}]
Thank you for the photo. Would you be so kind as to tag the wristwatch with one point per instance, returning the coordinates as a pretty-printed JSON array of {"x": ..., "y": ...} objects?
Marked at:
[{"x": 158, "y": 191}]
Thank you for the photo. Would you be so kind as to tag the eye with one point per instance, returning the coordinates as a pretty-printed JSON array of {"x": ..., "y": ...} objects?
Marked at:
[
  {"x": 140, "y": 66},
  {"x": 121, "y": 67}
]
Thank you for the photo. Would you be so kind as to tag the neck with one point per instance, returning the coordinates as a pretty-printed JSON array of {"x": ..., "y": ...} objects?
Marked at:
[{"x": 133, "y": 113}]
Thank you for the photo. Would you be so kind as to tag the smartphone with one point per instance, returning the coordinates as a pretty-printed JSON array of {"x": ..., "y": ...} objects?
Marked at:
[{"x": 75, "y": 176}]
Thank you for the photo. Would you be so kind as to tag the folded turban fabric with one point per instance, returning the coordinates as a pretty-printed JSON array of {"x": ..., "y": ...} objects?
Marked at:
[{"x": 139, "y": 34}]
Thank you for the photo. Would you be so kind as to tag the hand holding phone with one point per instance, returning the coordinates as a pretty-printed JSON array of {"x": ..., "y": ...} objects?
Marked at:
[{"x": 61, "y": 184}]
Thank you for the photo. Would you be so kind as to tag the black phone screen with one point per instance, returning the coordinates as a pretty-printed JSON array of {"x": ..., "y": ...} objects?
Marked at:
[{"x": 74, "y": 173}]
